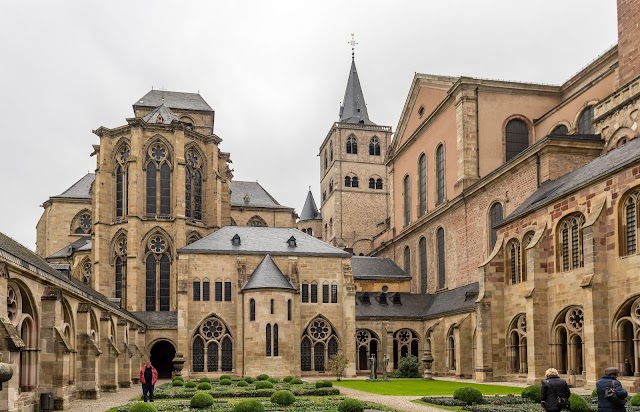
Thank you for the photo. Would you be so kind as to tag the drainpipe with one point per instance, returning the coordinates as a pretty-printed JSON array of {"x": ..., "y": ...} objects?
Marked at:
[
  {"x": 477, "y": 134},
  {"x": 538, "y": 169}
]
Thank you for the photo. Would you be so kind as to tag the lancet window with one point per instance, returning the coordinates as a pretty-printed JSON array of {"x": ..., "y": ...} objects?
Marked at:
[
  {"x": 405, "y": 343},
  {"x": 193, "y": 185},
  {"x": 212, "y": 342},
  {"x": 319, "y": 343},
  {"x": 570, "y": 242},
  {"x": 158, "y": 177},
  {"x": 517, "y": 345},
  {"x": 123, "y": 154},
  {"x": 158, "y": 274}
]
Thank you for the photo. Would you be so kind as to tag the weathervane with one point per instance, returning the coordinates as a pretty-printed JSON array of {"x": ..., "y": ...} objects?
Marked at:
[{"x": 353, "y": 45}]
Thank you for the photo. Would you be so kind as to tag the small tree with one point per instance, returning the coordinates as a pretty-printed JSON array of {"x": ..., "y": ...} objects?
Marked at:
[{"x": 337, "y": 364}]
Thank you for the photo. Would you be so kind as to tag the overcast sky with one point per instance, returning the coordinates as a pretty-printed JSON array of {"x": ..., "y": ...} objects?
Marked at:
[{"x": 274, "y": 72}]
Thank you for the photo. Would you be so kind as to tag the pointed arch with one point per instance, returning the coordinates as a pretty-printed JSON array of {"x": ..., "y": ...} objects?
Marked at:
[
  {"x": 158, "y": 167},
  {"x": 214, "y": 338},
  {"x": 81, "y": 224},
  {"x": 318, "y": 336},
  {"x": 195, "y": 175},
  {"x": 119, "y": 262},
  {"x": 158, "y": 260},
  {"x": 121, "y": 156},
  {"x": 257, "y": 221}
]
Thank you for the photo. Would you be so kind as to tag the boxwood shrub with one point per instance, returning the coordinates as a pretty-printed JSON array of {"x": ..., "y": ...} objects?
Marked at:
[
  {"x": 262, "y": 377},
  {"x": 248, "y": 379},
  {"x": 177, "y": 382},
  {"x": 225, "y": 377},
  {"x": 287, "y": 379},
  {"x": 350, "y": 405},
  {"x": 468, "y": 395},
  {"x": 178, "y": 377},
  {"x": 324, "y": 384},
  {"x": 205, "y": 379},
  {"x": 273, "y": 380},
  {"x": 143, "y": 407},
  {"x": 283, "y": 398},
  {"x": 317, "y": 392},
  {"x": 261, "y": 384},
  {"x": 204, "y": 386},
  {"x": 189, "y": 384},
  {"x": 296, "y": 381},
  {"x": 201, "y": 400},
  {"x": 578, "y": 404},
  {"x": 248, "y": 406},
  {"x": 242, "y": 384},
  {"x": 225, "y": 382},
  {"x": 634, "y": 400},
  {"x": 533, "y": 392}
]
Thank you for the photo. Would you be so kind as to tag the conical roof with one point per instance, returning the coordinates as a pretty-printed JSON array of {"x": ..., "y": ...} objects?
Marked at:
[
  {"x": 268, "y": 276},
  {"x": 162, "y": 115},
  {"x": 310, "y": 210},
  {"x": 354, "y": 109}
]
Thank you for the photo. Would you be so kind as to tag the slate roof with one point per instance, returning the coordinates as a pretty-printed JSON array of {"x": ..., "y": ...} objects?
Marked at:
[
  {"x": 80, "y": 189},
  {"x": 310, "y": 210},
  {"x": 365, "y": 267},
  {"x": 593, "y": 171},
  {"x": 419, "y": 306},
  {"x": 84, "y": 243},
  {"x": 173, "y": 100},
  {"x": 158, "y": 320},
  {"x": 256, "y": 195},
  {"x": 262, "y": 240},
  {"x": 354, "y": 109},
  {"x": 35, "y": 263},
  {"x": 167, "y": 116},
  {"x": 268, "y": 276}
]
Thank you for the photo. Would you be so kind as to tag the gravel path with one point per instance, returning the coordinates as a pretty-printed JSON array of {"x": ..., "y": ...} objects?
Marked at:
[
  {"x": 107, "y": 400},
  {"x": 402, "y": 403}
]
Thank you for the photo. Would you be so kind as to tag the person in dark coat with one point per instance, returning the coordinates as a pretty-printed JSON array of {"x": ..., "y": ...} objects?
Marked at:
[
  {"x": 628, "y": 370},
  {"x": 148, "y": 378},
  {"x": 611, "y": 378},
  {"x": 552, "y": 388}
]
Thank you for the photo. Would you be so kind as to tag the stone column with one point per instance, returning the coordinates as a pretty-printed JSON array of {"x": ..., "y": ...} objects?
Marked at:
[
  {"x": 109, "y": 356},
  {"x": 124, "y": 361},
  {"x": 88, "y": 355}
]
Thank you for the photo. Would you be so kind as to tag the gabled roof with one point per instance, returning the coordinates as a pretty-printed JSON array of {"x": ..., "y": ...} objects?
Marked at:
[
  {"x": 310, "y": 210},
  {"x": 173, "y": 100},
  {"x": 593, "y": 171},
  {"x": 262, "y": 241},
  {"x": 161, "y": 115},
  {"x": 354, "y": 109},
  {"x": 159, "y": 319},
  {"x": 80, "y": 189},
  {"x": 84, "y": 243},
  {"x": 252, "y": 194},
  {"x": 268, "y": 276},
  {"x": 419, "y": 306},
  {"x": 365, "y": 267}
]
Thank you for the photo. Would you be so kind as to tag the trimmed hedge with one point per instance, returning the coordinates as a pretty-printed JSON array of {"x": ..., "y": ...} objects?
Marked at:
[
  {"x": 248, "y": 406},
  {"x": 177, "y": 382},
  {"x": 351, "y": 405},
  {"x": 225, "y": 377},
  {"x": 273, "y": 380},
  {"x": 262, "y": 377},
  {"x": 324, "y": 384},
  {"x": 178, "y": 377},
  {"x": 204, "y": 386},
  {"x": 262, "y": 384},
  {"x": 296, "y": 381},
  {"x": 533, "y": 392},
  {"x": 578, "y": 404},
  {"x": 283, "y": 398},
  {"x": 248, "y": 379},
  {"x": 225, "y": 382},
  {"x": 242, "y": 384},
  {"x": 317, "y": 392},
  {"x": 143, "y": 407},
  {"x": 189, "y": 384},
  {"x": 468, "y": 395},
  {"x": 205, "y": 379},
  {"x": 287, "y": 379},
  {"x": 201, "y": 400},
  {"x": 635, "y": 400}
]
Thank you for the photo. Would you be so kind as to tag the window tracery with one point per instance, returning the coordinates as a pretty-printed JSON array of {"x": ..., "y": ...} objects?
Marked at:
[
  {"x": 158, "y": 274},
  {"x": 158, "y": 177},
  {"x": 193, "y": 185},
  {"x": 374, "y": 146},
  {"x": 319, "y": 343},
  {"x": 405, "y": 343},
  {"x": 120, "y": 266},
  {"x": 122, "y": 180},
  {"x": 352, "y": 145},
  {"x": 570, "y": 241},
  {"x": 567, "y": 340},
  {"x": 517, "y": 345},
  {"x": 367, "y": 344},
  {"x": 212, "y": 341}
]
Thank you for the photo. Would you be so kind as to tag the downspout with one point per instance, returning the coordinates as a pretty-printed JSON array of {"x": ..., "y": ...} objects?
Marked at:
[
  {"x": 477, "y": 135},
  {"x": 538, "y": 169}
]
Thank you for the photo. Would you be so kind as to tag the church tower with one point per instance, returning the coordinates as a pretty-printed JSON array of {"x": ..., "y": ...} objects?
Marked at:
[{"x": 353, "y": 174}]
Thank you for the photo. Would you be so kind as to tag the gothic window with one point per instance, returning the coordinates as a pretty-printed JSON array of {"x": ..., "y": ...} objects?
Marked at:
[
  {"x": 567, "y": 339},
  {"x": 516, "y": 138},
  {"x": 193, "y": 185},
  {"x": 86, "y": 271},
  {"x": 305, "y": 293},
  {"x": 629, "y": 223},
  {"x": 624, "y": 332},
  {"x": 252, "y": 309},
  {"x": 82, "y": 223},
  {"x": 422, "y": 183},
  {"x": 268, "y": 339},
  {"x": 326, "y": 160},
  {"x": 158, "y": 181},
  {"x": 495, "y": 217},
  {"x": 441, "y": 258},
  {"x": 227, "y": 291},
  {"x": 367, "y": 344},
  {"x": 560, "y": 130},
  {"x": 158, "y": 274},
  {"x": 212, "y": 341},
  {"x": 439, "y": 174},
  {"x": 379, "y": 184},
  {"x": 526, "y": 241},
  {"x": 570, "y": 241},
  {"x": 206, "y": 290},
  {"x": 422, "y": 245},
  {"x": 331, "y": 151},
  {"x": 514, "y": 268},
  {"x": 331, "y": 186},
  {"x": 334, "y": 293},
  {"x": 272, "y": 306},
  {"x": 372, "y": 183},
  {"x": 120, "y": 266},
  {"x": 407, "y": 200},
  {"x": 405, "y": 343},
  {"x": 407, "y": 261},
  {"x": 21, "y": 313},
  {"x": 275, "y": 339},
  {"x": 585, "y": 121},
  {"x": 517, "y": 345},
  {"x": 354, "y": 181},
  {"x": 352, "y": 145},
  {"x": 289, "y": 303},
  {"x": 325, "y": 293},
  {"x": 347, "y": 181},
  {"x": 451, "y": 350},
  {"x": 314, "y": 293},
  {"x": 122, "y": 180},
  {"x": 196, "y": 290},
  {"x": 319, "y": 342},
  {"x": 193, "y": 237},
  {"x": 257, "y": 221},
  {"x": 374, "y": 146},
  {"x": 218, "y": 291}
]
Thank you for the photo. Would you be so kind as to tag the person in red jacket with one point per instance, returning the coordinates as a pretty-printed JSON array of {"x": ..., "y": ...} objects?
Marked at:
[{"x": 148, "y": 378}]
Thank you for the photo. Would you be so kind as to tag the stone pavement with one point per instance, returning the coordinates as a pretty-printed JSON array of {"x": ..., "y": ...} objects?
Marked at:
[{"x": 107, "y": 400}]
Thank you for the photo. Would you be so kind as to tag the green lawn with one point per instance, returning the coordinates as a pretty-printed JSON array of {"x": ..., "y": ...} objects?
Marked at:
[{"x": 419, "y": 387}]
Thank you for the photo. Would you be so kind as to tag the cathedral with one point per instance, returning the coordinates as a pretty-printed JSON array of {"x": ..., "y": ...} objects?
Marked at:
[{"x": 494, "y": 230}]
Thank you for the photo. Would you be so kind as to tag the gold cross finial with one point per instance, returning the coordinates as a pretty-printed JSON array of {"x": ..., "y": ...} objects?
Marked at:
[{"x": 353, "y": 45}]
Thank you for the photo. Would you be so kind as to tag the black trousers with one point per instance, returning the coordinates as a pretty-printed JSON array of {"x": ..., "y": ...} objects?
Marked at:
[{"x": 147, "y": 392}]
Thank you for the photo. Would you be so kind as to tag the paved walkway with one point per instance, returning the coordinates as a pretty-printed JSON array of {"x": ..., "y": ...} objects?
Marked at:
[
  {"x": 107, "y": 400},
  {"x": 402, "y": 403}
]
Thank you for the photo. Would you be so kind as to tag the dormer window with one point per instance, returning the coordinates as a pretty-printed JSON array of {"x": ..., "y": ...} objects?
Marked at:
[
  {"x": 246, "y": 198},
  {"x": 235, "y": 241},
  {"x": 292, "y": 242},
  {"x": 382, "y": 298},
  {"x": 395, "y": 299},
  {"x": 365, "y": 299}
]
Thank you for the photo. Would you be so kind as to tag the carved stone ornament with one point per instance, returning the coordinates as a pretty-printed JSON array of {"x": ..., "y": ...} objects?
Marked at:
[{"x": 4, "y": 270}]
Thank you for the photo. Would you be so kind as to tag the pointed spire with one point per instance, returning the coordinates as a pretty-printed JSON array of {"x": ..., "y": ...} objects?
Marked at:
[
  {"x": 310, "y": 210},
  {"x": 354, "y": 109}
]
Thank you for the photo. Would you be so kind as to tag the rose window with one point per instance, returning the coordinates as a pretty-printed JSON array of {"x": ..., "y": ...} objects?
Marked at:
[
  {"x": 404, "y": 336},
  {"x": 157, "y": 244},
  {"x": 522, "y": 324},
  {"x": 85, "y": 222},
  {"x": 192, "y": 159},
  {"x": 319, "y": 329},
  {"x": 158, "y": 153},
  {"x": 12, "y": 304},
  {"x": 121, "y": 247},
  {"x": 575, "y": 319},
  {"x": 363, "y": 336},
  {"x": 124, "y": 154},
  {"x": 212, "y": 329}
]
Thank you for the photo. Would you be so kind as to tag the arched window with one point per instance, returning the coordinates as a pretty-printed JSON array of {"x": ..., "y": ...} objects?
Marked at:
[
  {"x": 441, "y": 258},
  {"x": 318, "y": 343},
  {"x": 86, "y": 271},
  {"x": 495, "y": 217},
  {"x": 275, "y": 339},
  {"x": 374, "y": 146},
  {"x": 514, "y": 268},
  {"x": 212, "y": 341},
  {"x": 407, "y": 260},
  {"x": 367, "y": 344},
  {"x": 405, "y": 343},
  {"x": 372, "y": 183},
  {"x": 21, "y": 313},
  {"x": 567, "y": 340},
  {"x": 196, "y": 290},
  {"x": 252, "y": 309},
  {"x": 440, "y": 174},
  {"x": 560, "y": 130},
  {"x": 193, "y": 237},
  {"x": 379, "y": 184},
  {"x": 422, "y": 245},
  {"x": 257, "y": 221},
  {"x": 629, "y": 224},
  {"x": 206, "y": 290},
  {"x": 407, "y": 200},
  {"x": 158, "y": 181},
  {"x": 314, "y": 292},
  {"x": 158, "y": 274},
  {"x": 570, "y": 241},
  {"x": 326, "y": 160},
  {"x": 352, "y": 145},
  {"x": 517, "y": 345},
  {"x": 526, "y": 241},
  {"x": 422, "y": 183},
  {"x": 120, "y": 266},
  {"x": 122, "y": 180},
  {"x": 516, "y": 138},
  {"x": 354, "y": 181},
  {"x": 331, "y": 151},
  {"x": 347, "y": 181},
  {"x": 325, "y": 293},
  {"x": 193, "y": 185},
  {"x": 585, "y": 121},
  {"x": 334, "y": 293},
  {"x": 305, "y": 293},
  {"x": 451, "y": 350},
  {"x": 81, "y": 224},
  {"x": 268, "y": 339},
  {"x": 289, "y": 303}
]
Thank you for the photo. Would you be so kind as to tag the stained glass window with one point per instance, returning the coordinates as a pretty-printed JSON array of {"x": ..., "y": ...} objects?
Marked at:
[
  {"x": 516, "y": 138},
  {"x": 374, "y": 146},
  {"x": 440, "y": 174}
]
